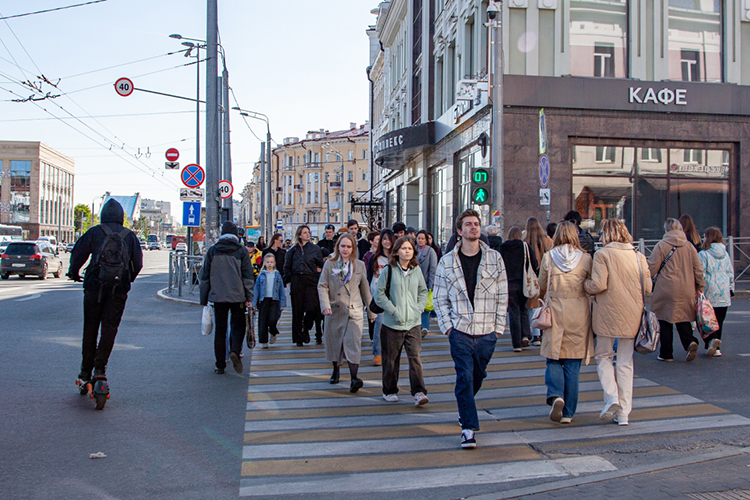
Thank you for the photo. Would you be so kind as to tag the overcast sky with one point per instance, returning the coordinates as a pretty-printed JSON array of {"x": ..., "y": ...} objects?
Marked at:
[{"x": 301, "y": 63}]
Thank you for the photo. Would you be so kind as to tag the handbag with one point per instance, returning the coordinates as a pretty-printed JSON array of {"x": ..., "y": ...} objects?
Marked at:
[
  {"x": 374, "y": 307},
  {"x": 705, "y": 315},
  {"x": 430, "y": 305},
  {"x": 530, "y": 281},
  {"x": 542, "y": 318},
  {"x": 648, "y": 333}
]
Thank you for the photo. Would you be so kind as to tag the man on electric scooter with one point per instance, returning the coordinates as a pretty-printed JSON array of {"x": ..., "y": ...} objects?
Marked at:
[{"x": 116, "y": 259}]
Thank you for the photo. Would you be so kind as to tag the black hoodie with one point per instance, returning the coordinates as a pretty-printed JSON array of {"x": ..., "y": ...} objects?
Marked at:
[
  {"x": 513, "y": 256},
  {"x": 90, "y": 244},
  {"x": 227, "y": 273}
]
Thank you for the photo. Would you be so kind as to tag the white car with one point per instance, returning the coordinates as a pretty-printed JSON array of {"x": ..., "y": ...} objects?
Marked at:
[{"x": 181, "y": 247}]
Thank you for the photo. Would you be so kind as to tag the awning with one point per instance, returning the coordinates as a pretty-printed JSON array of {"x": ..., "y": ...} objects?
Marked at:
[{"x": 397, "y": 148}]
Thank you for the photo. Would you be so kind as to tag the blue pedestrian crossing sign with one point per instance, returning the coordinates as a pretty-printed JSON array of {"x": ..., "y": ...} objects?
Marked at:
[{"x": 191, "y": 213}]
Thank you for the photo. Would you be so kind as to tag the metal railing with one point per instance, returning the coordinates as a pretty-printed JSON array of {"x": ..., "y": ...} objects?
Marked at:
[
  {"x": 737, "y": 247},
  {"x": 184, "y": 271}
]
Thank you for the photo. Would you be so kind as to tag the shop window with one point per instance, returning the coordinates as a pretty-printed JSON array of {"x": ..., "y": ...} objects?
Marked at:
[
  {"x": 20, "y": 196},
  {"x": 605, "y": 154},
  {"x": 599, "y": 38},
  {"x": 442, "y": 204},
  {"x": 695, "y": 40}
]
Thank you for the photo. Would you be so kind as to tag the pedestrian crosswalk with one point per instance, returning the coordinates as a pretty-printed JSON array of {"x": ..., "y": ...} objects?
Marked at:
[{"x": 303, "y": 434}]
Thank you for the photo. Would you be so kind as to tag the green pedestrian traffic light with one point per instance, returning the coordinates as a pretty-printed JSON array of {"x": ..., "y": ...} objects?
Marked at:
[{"x": 481, "y": 186}]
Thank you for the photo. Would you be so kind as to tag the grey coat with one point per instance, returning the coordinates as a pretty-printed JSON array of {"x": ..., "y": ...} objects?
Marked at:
[
  {"x": 428, "y": 261},
  {"x": 343, "y": 328},
  {"x": 226, "y": 275}
]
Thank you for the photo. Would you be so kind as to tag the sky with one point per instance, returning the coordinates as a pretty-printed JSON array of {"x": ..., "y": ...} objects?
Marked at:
[{"x": 301, "y": 63}]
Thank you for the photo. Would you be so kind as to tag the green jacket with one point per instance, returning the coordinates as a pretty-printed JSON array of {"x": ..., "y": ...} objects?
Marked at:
[{"x": 408, "y": 297}]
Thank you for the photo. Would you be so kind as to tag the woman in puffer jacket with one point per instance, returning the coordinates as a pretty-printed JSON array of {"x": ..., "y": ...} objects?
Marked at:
[
  {"x": 619, "y": 279},
  {"x": 719, "y": 275}
]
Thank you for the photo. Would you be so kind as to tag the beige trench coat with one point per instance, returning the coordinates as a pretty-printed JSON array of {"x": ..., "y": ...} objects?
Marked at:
[
  {"x": 618, "y": 301},
  {"x": 673, "y": 299},
  {"x": 570, "y": 335},
  {"x": 343, "y": 328}
]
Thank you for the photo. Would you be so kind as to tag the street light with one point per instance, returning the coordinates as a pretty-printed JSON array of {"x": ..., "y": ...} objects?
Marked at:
[{"x": 265, "y": 173}]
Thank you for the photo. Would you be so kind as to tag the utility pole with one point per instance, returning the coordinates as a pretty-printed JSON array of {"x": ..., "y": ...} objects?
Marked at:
[
  {"x": 263, "y": 218},
  {"x": 496, "y": 32},
  {"x": 227, "y": 144},
  {"x": 269, "y": 191},
  {"x": 212, "y": 124}
]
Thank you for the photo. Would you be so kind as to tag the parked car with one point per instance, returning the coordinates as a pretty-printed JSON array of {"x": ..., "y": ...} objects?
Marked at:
[
  {"x": 69, "y": 247},
  {"x": 143, "y": 244},
  {"x": 29, "y": 258},
  {"x": 154, "y": 245},
  {"x": 181, "y": 247}
]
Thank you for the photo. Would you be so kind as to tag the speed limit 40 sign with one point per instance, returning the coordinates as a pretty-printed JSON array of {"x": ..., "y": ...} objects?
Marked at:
[
  {"x": 124, "y": 87},
  {"x": 225, "y": 189}
]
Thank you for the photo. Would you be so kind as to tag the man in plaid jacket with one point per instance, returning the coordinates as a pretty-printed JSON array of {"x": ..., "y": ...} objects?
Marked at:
[{"x": 471, "y": 300}]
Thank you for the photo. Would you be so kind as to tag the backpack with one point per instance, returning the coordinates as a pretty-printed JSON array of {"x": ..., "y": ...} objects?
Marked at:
[{"x": 114, "y": 256}]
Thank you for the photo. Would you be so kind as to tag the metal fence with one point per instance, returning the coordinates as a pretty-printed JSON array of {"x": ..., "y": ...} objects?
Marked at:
[
  {"x": 183, "y": 273},
  {"x": 738, "y": 248}
]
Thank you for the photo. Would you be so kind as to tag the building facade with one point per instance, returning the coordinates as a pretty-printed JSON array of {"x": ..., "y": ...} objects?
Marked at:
[
  {"x": 315, "y": 180},
  {"x": 646, "y": 110},
  {"x": 158, "y": 215},
  {"x": 36, "y": 190}
]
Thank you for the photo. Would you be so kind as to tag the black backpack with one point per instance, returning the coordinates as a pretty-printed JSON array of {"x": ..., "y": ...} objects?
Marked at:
[{"x": 114, "y": 256}]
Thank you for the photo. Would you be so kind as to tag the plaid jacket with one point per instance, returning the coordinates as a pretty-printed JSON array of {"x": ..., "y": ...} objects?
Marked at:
[{"x": 490, "y": 296}]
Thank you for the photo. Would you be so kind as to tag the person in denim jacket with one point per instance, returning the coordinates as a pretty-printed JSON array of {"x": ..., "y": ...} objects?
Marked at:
[{"x": 270, "y": 299}]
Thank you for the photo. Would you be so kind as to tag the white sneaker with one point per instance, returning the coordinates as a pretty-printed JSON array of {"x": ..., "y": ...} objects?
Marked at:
[
  {"x": 713, "y": 347},
  {"x": 467, "y": 439},
  {"x": 609, "y": 411},
  {"x": 273, "y": 339},
  {"x": 566, "y": 420},
  {"x": 420, "y": 399},
  {"x": 391, "y": 398},
  {"x": 621, "y": 420},
  {"x": 717, "y": 354},
  {"x": 555, "y": 414},
  {"x": 425, "y": 331},
  {"x": 264, "y": 346}
]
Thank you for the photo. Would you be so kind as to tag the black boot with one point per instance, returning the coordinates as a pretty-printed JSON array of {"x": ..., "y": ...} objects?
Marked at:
[{"x": 335, "y": 374}]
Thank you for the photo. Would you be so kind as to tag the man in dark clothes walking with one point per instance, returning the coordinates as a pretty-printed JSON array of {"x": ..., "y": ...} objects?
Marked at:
[
  {"x": 104, "y": 293},
  {"x": 587, "y": 242},
  {"x": 227, "y": 281}
]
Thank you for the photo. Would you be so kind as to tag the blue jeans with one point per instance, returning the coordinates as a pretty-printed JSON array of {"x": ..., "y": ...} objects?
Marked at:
[
  {"x": 426, "y": 320},
  {"x": 471, "y": 355},
  {"x": 561, "y": 379},
  {"x": 376, "y": 335}
]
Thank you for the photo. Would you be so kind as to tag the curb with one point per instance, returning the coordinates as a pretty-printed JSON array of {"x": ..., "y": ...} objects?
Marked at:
[
  {"x": 163, "y": 296},
  {"x": 606, "y": 476}
]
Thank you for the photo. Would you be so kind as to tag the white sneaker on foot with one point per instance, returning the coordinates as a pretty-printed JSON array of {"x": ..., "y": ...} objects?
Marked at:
[
  {"x": 391, "y": 398},
  {"x": 713, "y": 347},
  {"x": 555, "y": 414},
  {"x": 692, "y": 351},
  {"x": 264, "y": 346},
  {"x": 420, "y": 399},
  {"x": 717, "y": 354},
  {"x": 467, "y": 439},
  {"x": 273, "y": 339},
  {"x": 566, "y": 420},
  {"x": 425, "y": 331},
  {"x": 609, "y": 411},
  {"x": 621, "y": 420}
]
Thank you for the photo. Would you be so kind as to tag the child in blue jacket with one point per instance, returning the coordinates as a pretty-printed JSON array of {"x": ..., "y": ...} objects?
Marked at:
[{"x": 269, "y": 299}]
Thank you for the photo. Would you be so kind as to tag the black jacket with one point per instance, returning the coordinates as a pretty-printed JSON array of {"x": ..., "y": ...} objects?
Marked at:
[
  {"x": 363, "y": 246},
  {"x": 90, "y": 244},
  {"x": 513, "y": 256},
  {"x": 326, "y": 246},
  {"x": 280, "y": 255},
  {"x": 227, "y": 274},
  {"x": 303, "y": 261},
  {"x": 587, "y": 242},
  {"x": 495, "y": 242}
]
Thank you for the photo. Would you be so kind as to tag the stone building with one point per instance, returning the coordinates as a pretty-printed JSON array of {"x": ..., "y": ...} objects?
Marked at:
[{"x": 36, "y": 190}]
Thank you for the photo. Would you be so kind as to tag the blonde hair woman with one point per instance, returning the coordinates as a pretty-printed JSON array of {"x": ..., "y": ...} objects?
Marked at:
[
  {"x": 562, "y": 274},
  {"x": 619, "y": 277}
]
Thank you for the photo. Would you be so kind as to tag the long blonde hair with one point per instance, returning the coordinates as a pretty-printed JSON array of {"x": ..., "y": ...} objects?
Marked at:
[
  {"x": 615, "y": 230},
  {"x": 566, "y": 234}
]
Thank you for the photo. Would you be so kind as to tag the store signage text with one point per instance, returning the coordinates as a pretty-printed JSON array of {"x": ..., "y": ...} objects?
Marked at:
[
  {"x": 388, "y": 143},
  {"x": 461, "y": 108},
  {"x": 665, "y": 96},
  {"x": 700, "y": 169}
]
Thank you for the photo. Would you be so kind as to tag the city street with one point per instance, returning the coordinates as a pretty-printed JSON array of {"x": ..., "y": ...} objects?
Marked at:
[{"x": 174, "y": 429}]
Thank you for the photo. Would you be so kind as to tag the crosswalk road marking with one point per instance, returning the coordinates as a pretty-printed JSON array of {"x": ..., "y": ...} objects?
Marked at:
[{"x": 303, "y": 434}]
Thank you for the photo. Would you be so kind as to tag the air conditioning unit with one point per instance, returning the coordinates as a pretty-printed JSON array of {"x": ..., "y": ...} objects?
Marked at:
[
  {"x": 548, "y": 4},
  {"x": 518, "y": 4}
]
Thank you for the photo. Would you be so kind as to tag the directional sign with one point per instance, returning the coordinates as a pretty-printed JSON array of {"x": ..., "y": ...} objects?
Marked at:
[
  {"x": 225, "y": 189},
  {"x": 279, "y": 224},
  {"x": 192, "y": 194},
  {"x": 172, "y": 154},
  {"x": 544, "y": 169},
  {"x": 193, "y": 175},
  {"x": 172, "y": 165},
  {"x": 191, "y": 214},
  {"x": 124, "y": 87}
]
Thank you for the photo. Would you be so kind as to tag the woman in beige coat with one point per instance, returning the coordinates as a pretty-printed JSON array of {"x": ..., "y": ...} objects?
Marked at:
[
  {"x": 676, "y": 283},
  {"x": 562, "y": 274},
  {"x": 619, "y": 278},
  {"x": 344, "y": 296}
]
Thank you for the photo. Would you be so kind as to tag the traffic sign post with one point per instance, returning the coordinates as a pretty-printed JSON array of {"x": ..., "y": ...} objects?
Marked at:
[
  {"x": 172, "y": 154},
  {"x": 191, "y": 214},
  {"x": 193, "y": 176},
  {"x": 124, "y": 87},
  {"x": 192, "y": 194},
  {"x": 225, "y": 189},
  {"x": 481, "y": 186},
  {"x": 544, "y": 170}
]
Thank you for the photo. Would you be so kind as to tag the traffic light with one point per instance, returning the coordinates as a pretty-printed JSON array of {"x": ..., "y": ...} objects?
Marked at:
[{"x": 481, "y": 186}]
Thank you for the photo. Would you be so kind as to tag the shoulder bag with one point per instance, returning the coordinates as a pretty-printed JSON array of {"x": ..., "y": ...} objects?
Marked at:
[
  {"x": 648, "y": 333},
  {"x": 666, "y": 259},
  {"x": 374, "y": 307},
  {"x": 542, "y": 318},
  {"x": 705, "y": 315},
  {"x": 530, "y": 281}
]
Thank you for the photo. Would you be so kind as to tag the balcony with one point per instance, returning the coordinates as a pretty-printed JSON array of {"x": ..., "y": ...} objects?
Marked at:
[
  {"x": 298, "y": 187},
  {"x": 287, "y": 209},
  {"x": 279, "y": 190},
  {"x": 288, "y": 168},
  {"x": 315, "y": 165},
  {"x": 335, "y": 185},
  {"x": 314, "y": 207},
  {"x": 278, "y": 208},
  {"x": 334, "y": 205}
]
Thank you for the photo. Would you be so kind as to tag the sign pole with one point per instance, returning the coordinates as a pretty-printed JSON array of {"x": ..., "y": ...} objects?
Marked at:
[
  {"x": 497, "y": 115},
  {"x": 212, "y": 124}
]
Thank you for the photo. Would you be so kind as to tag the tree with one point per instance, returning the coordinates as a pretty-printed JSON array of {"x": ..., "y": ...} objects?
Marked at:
[
  {"x": 83, "y": 218},
  {"x": 141, "y": 227}
]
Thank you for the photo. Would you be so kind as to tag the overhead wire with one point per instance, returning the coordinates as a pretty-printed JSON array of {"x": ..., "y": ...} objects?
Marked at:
[{"x": 51, "y": 10}]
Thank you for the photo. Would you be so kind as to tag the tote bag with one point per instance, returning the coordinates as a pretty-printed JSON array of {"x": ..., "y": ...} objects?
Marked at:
[
  {"x": 648, "y": 333},
  {"x": 530, "y": 281},
  {"x": 705, "y": 315},
  {"x": 542, "y": 318}
]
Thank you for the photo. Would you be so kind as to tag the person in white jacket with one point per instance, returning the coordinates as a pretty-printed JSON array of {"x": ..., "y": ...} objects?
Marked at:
[{"x": 719, "y": 275}]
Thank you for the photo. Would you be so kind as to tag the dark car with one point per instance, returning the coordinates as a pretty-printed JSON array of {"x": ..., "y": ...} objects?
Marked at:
[
  {"x": 28, "y": 258},
  {"x": 69, "y": 247}
]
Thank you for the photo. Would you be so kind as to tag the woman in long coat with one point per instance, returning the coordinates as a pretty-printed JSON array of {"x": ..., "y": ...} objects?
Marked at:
[
  {"x": 302, "y": 267},
  {"x": 569, "y": 339},
  {"x": 619, "y": 278},
  {"x": 344, "y": 297},
  {"x": 678, "y": 276}
]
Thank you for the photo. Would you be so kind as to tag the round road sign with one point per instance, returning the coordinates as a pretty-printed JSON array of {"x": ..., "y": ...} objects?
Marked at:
[
  {"x": 544, "y": 170},
  {"x": 225, "y": 189},
  {"x": 172, "y": 154},
  {"x": 193, "y": 175},
  {"x": 124, "y": 87}
]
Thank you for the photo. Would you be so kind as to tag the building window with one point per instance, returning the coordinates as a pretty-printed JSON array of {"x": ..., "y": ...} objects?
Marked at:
[
  {"x": 351, "y": 155},
  {"x": 325, "y": 177},
  {"x": 605, "y": 154},
  {"x": 350, "y": 175},
  {"x": 20, "y": 195},
  {"x": 695, "y": 40},
  {"x": 693, "y": 156},
  {"x": 328, "y": 157},
  {"x": 599, "y": 38},
  {"x": 442, "y": 204},
  {"x": 651, "y": 154},
  {"x": 364, "y": 154},
  {"x": 364, "y": 175}
]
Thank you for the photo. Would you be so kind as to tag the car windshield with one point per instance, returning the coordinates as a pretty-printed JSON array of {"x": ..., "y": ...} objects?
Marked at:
[{"x": 21, "y": 249}]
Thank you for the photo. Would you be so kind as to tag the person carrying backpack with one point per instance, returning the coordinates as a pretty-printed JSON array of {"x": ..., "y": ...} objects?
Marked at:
[{"x": 116, "y": 260}]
